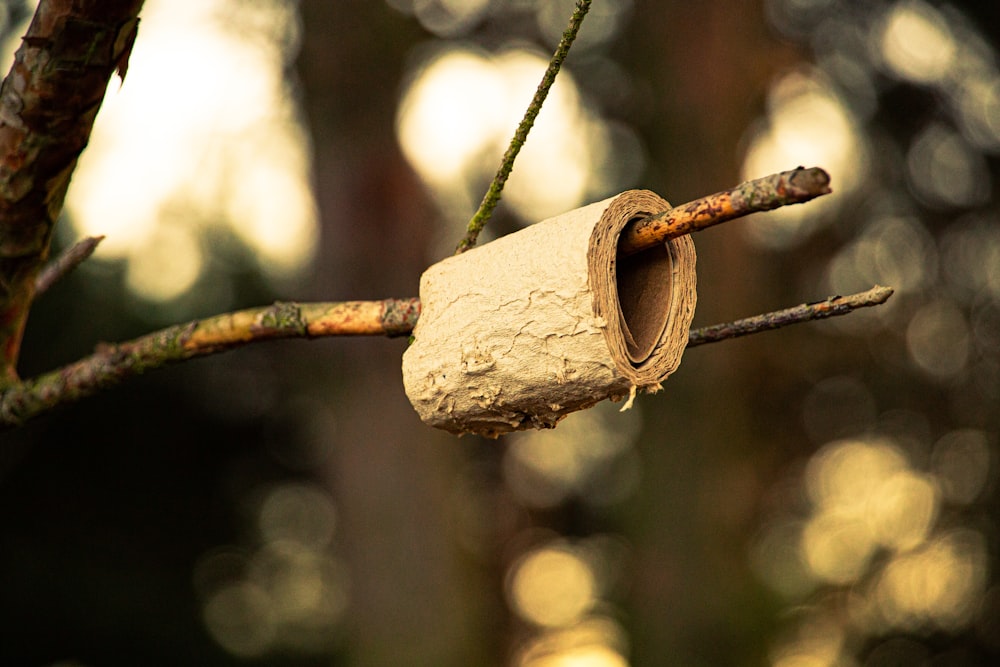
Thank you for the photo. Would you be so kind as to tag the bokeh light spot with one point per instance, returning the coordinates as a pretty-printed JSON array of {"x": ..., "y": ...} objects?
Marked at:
[
  {"x": 916, "y": 43},
  {"x": 891, "y": 250},
  {"x": 595, "y": 641},
  {"x": 583, "y": 656},
  {"x": 288, "y": 593},
  {"x": 777, "y": 559},
  {"x": 460, "y": 110},
  {"x": 836, "y": 546},
  {"x": 979, "y": 111},
  {"x": 903, "y": 509},
  {"x": 448, "y": 17},
  {"x": 172, "y": 259},
  {"x": 818, "y": 642},
  {"x": 945, "y": 170},
  {"x": 448, "y": 115},
  {"x": 300, "y": 513},
  {"x": 552, "y": 587},
  {"x": 229, "y": 151},
  {"x": 808, "y": 124},
  {"x": 560, "y": 142},
  {"x": 306, "y": 591},
  {"x": 939, "y": 583},
  {"x": 961, "y": 461},
  {"x": 970, "y": 257},
  {"x": 240, "y": 619},
  {"x": 938, "y": 339},
  {"x": 544, "y": 468},
  {"x": 604, "y": 21},
  {"x": 866, "y": 496},
  {"x": 847, "y": 473}
]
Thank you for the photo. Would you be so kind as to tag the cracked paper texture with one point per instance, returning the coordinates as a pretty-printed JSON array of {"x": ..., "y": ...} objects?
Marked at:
[{"x": 507, "y": 337}]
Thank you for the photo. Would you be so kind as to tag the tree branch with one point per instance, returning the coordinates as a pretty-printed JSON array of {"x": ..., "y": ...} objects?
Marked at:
[
  {"x": 763, "y": 194},
  {"x": 492, "y": 197},
  {"x": 62, "y": 265},
  {"x": 112, "y": 364},
  {"x": 831, "y": 306},
  {"x": 48, "y": 103}
]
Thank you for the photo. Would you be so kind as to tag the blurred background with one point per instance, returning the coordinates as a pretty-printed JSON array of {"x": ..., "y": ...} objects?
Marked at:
[{"x": 824, "y": 495}]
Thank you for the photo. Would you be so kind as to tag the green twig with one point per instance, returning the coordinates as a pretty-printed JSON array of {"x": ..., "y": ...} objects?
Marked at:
[{"x": 492, "y": 197}]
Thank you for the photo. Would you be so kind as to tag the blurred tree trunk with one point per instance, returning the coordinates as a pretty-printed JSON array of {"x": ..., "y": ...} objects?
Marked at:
[
  {"x": 392, "y": 477},
  {"x": 703, "y": 458}
]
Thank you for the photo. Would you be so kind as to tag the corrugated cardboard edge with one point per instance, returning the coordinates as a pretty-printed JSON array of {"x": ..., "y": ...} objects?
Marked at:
[{"x": 660, "y": 284}]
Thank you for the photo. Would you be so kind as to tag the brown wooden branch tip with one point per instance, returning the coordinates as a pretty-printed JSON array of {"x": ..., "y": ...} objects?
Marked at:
[{"x": 763, "y": 194}]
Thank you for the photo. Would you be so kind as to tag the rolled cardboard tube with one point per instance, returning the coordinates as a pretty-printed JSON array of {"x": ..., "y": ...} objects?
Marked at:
[{"x": 522, "y": 331}]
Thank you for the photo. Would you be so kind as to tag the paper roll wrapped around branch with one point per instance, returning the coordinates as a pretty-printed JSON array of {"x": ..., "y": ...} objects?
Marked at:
[{"x": 520, "y": 332}]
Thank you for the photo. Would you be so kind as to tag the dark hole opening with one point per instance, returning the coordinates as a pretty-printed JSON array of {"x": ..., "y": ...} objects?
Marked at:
[{"x": 644, "y": 285}]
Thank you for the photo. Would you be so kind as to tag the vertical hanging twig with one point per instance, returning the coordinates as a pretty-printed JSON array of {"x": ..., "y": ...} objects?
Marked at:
[{"x": 492, "y": 197}]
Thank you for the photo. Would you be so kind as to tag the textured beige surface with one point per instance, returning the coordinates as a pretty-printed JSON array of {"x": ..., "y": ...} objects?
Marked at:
[{"x": 520, "y": 332}]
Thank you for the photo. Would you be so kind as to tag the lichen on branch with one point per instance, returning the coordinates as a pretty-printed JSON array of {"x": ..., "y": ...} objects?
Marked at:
[
  {"x": 492, "y": 197},
  {"x": 111, "y": 364}
]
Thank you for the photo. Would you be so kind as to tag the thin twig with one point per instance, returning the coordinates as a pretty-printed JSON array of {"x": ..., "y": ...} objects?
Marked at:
[
  {"x": 492, "y": 197},
  {"x": 829, "y": 307},
  {"x": 62, "y": 265},
  {"x": 111, "y": 364},
  {"x": 763, "y": 194}
]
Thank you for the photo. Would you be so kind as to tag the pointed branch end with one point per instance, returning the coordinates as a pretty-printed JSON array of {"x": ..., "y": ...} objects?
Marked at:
[
  {"x": 62, "y": 265},
  {"x": 833, "y": 306}
]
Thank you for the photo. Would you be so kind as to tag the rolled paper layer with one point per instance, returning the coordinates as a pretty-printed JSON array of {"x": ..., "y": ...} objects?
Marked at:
[{"x": 520, "y": 332}]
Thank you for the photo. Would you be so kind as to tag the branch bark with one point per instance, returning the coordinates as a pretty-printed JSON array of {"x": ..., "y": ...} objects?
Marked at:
[
  {"x": 831, "y": 306},
  {"x": 112, "y": 364},
  {"x": 64, "y": 264},
  {"x": 762, "y": 194},
  {"x": 48, "y": 103}
]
